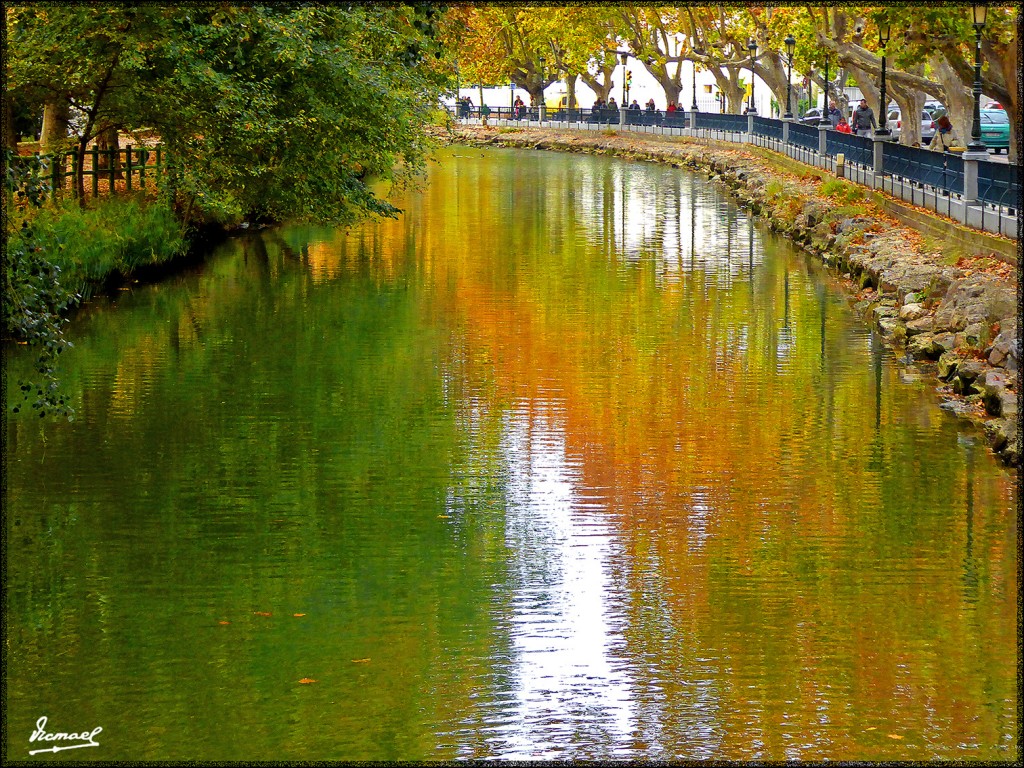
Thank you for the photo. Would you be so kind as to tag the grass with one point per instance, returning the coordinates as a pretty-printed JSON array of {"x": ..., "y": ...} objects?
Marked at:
[
  {"x": 842, "y": 190},
  {"x": 112, "y": 236}
]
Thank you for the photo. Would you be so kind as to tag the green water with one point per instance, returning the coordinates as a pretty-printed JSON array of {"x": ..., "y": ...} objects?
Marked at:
[{"x": 573, "y": 460}]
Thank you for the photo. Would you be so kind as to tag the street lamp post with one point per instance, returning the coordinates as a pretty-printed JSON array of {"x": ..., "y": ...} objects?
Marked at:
[
  {"x": 977, "y": 145},
  {"x": 697, "y": 52},
  {"x": 790, "y": 47},
  {"x": 624, "y": 57},
  {"x": 824, "y": 110},
  {"x": 753, "y": 55},
  {"x": 883, "y": 106}
]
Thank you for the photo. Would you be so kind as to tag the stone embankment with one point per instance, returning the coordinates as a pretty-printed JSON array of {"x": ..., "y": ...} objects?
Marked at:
[{"x": 954, "y": 312}]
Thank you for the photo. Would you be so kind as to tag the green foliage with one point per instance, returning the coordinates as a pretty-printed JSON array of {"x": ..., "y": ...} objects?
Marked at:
[
  {"x": 275, "y": 112},
  {"x": 843, "y": 191},
  {"x": 114, "y": 236}
]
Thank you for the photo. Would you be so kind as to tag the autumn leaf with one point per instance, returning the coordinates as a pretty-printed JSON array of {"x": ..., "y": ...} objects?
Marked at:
[
  {"x": 307, "y": 680},
  {"x": 298, "y": 615},
  {"x": 894, "y": 736},
  {"x": 359, "y": 661},
  {"x": 223, "y": 622},
  {"x": 261, "y": 613}
]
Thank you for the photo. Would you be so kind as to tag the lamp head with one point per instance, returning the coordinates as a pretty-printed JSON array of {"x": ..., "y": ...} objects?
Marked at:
[
  {"x": 883, "y": 33},
  {"x": 790, "y": 44},
  {"x": 980, "y": 12}
]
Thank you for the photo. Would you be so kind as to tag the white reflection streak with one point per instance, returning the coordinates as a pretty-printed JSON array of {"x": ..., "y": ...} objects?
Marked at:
[{"x": 566, "y": 693}]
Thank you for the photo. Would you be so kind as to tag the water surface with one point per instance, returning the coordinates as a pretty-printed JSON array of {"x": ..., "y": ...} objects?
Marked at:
[{"x": 573, "y": 460}]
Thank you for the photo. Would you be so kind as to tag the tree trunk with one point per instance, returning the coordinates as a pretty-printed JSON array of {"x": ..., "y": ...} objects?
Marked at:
[
  {"x": 570, "y": 91},
  {"x": 959, "y": 98},
  {"x": 106, "y": 140},
  {"x": 730, "y": 87},
  {"x": 602, "y": 87},
  {"x": 54, "y": 136},
  {"x": 911, "y": 103}
]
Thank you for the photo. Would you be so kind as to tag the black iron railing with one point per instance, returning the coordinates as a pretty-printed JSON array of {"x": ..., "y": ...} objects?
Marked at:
[
  {"x": 804, "y": 136},
  {"x": 999, "y": 184},
  {"x": 857, "y": 149}
]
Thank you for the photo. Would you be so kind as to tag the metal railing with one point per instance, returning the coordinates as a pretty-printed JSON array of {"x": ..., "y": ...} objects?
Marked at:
[
  {"x": 857, "y": 149},
  {"x": 803, "y": 136}
]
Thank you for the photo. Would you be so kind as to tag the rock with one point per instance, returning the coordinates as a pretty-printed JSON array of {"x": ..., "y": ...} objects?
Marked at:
[
  {"x": 991, "y": 386},
  {"x": 975, "y": 299},
  {"x": 1005, "y": 347},
  {"x": 944, "y": 341},
  {"x": 883, "y": 310},
  {"x": 912, "y": 312},
  {"x": 890, "y": 326},
  {"x": 977, "y": 335},
  {"x": 924, "y": 345},
  {"x": 921, "y": 325},
  {"x": 947, "y": 364}
]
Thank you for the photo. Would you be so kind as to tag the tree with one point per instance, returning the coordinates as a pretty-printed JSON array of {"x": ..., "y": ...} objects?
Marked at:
[{"x": 272, "y": 112}]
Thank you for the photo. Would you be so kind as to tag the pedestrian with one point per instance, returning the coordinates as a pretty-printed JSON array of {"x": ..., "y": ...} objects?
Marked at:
[
  {"x": 635, "y": 105},
  {"x": 520, "y": 108},
  {"x": 651, "y": 107},
  {"x": 863, "y": 119},
  {"x": 842, "y": 126},
  {"x": 945, "y": 137},
  {"x": 484, "y": 112},
  {"x": 671, "y": 107},
  {"x": 834, "y": 115}
]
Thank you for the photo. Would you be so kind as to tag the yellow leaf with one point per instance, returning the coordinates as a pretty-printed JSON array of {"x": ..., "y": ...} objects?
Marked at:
[
  {"x": 359, "y": 661},
  {"x": 261, "y": 613},
  {"x": 894, "y": 736},
  {"x": 298, "y": 615},
  {"x": 307, "y": 680}
]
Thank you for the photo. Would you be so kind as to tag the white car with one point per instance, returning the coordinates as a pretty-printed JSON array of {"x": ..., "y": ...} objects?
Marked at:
[{"x": 894, "y": 122}]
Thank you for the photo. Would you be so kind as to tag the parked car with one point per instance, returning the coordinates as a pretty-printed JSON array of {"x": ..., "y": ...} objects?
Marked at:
[
  {"x": 811, "y": 117},
  {"x": 894, "y": 122},
  {"x": 995, "y": 129}
]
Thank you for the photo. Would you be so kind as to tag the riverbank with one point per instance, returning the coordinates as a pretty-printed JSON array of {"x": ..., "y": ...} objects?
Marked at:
[{"x": 952, "y": 311}]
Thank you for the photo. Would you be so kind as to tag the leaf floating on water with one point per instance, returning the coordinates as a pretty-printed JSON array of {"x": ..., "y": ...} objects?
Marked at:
[
  {"x": 261, "y": 613},
  {"x": 872, "y": 728},
  {"x": 223, "y": 623},
  {"x": 298, "y": 615},
  {"x": 893, "y": 736},
  {"x": 359, "y": 661},
  {"x": 307, "y": 680},
  {"x": 444, "y": 517}
]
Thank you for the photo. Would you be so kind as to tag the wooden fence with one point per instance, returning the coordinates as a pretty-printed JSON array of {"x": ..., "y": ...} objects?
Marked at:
[{"x": 104, "y": 171}]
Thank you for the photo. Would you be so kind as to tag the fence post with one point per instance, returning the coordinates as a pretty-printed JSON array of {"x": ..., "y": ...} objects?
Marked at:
[
  {"x": 74, "y": 174},
  {"x": 693, "y": 121},
  {"x": 785, "y": 129},
  {"x": 543, "y": 112},
  {"x": 971, "y": 174},
  {"x": 128, "y": 167},
  {"x": 878, "y": 163},
  {"x": 750, "y": 125},
  {"x": 823, "y": 139},
  {"x": 622, "y": 117},
  {"x": 54, "y": 174}
]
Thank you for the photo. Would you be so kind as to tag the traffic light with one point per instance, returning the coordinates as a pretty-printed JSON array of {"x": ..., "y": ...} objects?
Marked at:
[{"x": 629, "y": 77}]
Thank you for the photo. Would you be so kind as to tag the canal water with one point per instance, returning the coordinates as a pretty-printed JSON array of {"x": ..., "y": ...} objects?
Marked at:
[{"x": 572, "y": 460}]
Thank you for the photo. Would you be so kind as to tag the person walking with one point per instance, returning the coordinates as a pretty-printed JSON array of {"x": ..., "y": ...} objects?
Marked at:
[
  {"x": 842, "y": 126},
  {"x": 834, "y": 115},
  {"x": 863, "y": 120},
  {"x": 945, "y": 137}
]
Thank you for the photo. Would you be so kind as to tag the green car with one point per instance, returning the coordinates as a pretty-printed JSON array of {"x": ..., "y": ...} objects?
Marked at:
[{"x": 995, "y": 129}]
